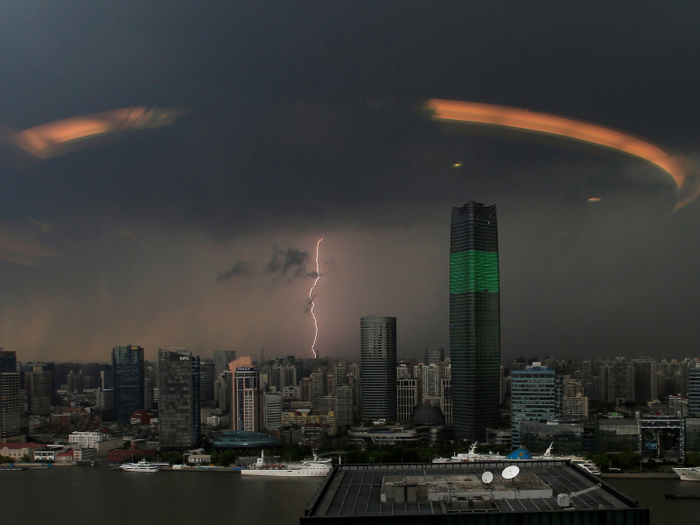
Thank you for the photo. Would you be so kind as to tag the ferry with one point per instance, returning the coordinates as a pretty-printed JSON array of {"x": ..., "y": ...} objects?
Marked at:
[
  {"x": 586, "y": 464},
  {"x": 141, "y": 466},
  {"x": 314, "y": 467},
  {"x": 688, "y": 473}
]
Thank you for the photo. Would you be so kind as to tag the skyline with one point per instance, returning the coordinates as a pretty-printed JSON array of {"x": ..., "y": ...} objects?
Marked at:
[{"x": 310, "y": 123}]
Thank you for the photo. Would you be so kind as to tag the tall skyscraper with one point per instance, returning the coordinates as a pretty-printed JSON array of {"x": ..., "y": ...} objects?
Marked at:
[
  {"x": 475, "y": 319},
  {"x": 127, "y": 370},
  {"x": 378, "y": 365},
  {"x": 246, "y": 395},
  {"x": 10, "y": 399},
  {"x": 178, "y": 403}
]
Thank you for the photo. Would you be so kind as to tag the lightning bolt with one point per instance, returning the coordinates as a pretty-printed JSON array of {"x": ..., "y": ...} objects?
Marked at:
[{"x": 311, "y": 297}]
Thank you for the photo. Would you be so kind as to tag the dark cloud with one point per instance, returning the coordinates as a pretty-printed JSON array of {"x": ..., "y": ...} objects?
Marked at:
[
  {"x": 289, "y": 263},
  {"x": 240, "y": 268},
  {"x": 306, "y": 118}
]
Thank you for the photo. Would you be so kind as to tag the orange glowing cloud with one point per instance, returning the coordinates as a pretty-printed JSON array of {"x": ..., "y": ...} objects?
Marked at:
[
  {"x": 55, "y": 138},
  {"x": 682, "y": 170}
]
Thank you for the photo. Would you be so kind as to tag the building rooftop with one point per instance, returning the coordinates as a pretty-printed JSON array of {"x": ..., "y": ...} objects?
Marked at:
[{"x": 446, "y": 489}]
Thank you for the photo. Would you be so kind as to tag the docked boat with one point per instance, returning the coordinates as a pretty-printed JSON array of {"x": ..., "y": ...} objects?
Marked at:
[
  {"x": 586, "y": 464},
  {"x": 141, "y": 466},
  {"x": 688, "y": 473},
  {"x": 314, "y": 467},
  {"x": 472, "y": 455}
]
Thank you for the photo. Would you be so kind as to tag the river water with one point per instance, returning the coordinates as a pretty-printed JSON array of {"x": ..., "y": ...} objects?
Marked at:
[{"x": 101, "y": 496}]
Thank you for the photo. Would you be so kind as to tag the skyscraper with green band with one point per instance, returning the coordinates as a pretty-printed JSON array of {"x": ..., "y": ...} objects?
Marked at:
[{"x": 475, "y": 319}]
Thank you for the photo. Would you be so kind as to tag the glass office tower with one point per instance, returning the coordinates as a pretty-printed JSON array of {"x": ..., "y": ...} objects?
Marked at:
[
  {"x": 179, "y": 400},
  {"x": 378, "y": 368},
  {"x": 475, "y": 319},
  {"x": 127, "y": 369}
]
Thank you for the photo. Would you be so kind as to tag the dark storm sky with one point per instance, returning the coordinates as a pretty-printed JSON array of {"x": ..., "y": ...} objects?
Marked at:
[{"x": 304, "y": 122}]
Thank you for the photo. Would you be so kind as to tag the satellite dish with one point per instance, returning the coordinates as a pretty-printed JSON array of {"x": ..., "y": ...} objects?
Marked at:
[
  {"x": 487, "y": 477},
  {"x": 510, "y": 472}
]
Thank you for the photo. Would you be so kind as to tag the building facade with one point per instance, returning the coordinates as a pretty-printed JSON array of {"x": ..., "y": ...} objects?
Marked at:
[
  {"x": 179, "y": 400},
  {"x": 378, "y": 363},
  {"x": 10, "y": 398},
  {"x": 38, "y": 385},
  {"x": 127, "y": 369},
  {"x": 535, "y": 396},
  {"x": 475, "y": 319},
  {"x": 246, "y": 399}
]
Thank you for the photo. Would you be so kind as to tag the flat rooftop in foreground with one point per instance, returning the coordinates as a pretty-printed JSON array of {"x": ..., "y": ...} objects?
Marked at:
[{"x": 429, "y": 493}]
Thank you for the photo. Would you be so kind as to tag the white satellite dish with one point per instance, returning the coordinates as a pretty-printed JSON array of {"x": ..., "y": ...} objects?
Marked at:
[
  {"x": 487, "y": 477},
  {"x": 510, "y": 472}
]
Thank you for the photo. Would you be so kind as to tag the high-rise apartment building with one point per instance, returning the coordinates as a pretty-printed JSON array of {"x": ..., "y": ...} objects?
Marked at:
[
  {"x": 273, "y": 411},
  {"x": 178, "y": 400},
  {"x": 378, "y": 363},
  {"x": 535, "y": 396},
  {"x": 475, "y": 319},
  {"x": 246, "y": 396},
  {"x": 694, "y": 391},
  {"x": 10, "y": 398}
]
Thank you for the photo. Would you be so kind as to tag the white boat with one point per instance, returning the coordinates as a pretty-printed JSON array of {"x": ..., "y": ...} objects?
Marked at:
[
  {"x": 314, "y": 467},
  {"x": 472, "y": 455},
  {"x": 585, "y": 464},
  {"x": 141, "y": 466},
  {"x": 688, "y": 473}
]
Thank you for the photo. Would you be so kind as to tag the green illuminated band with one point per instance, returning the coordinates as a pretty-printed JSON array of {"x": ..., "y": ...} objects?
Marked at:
[{"x": 479, "y": 268}]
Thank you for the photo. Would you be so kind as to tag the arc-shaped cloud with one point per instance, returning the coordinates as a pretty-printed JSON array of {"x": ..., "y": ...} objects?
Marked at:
[
  {"x": 55, "y": 138},
  {"x": 682, "y": 170}
]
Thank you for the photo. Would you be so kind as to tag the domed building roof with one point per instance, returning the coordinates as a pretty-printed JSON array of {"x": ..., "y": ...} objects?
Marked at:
[{"x": 427, "y": 415}]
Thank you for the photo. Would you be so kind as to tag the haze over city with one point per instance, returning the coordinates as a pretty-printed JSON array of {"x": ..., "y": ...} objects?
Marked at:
[{"x": 306, "y": 120}]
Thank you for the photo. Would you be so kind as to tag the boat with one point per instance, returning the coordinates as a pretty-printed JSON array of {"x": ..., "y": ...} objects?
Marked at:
[
  {"x": 585, "y": 464},
  {"x": 688, "y": 473},
  {"x": 472, "y": 455},
  {"x": 141, "y": 466},
  {"x": 681, "y": 496},
  {"x": 312, "y": 467},
  {"x": 12, "y": 468}
]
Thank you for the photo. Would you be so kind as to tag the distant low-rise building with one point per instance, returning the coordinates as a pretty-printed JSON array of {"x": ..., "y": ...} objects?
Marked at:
[
  {"x": 17, "y": 451},
  {"x": 86, "y": 439}
]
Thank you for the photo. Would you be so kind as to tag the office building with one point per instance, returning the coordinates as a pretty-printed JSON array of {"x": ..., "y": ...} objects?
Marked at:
[
  {"x": 127, "y": 370},
  {"x": 38, "y": 386},
  {"x": 178, "y": 403},
  {"x": 10, "y": 398},
  {"x": 221, "y": 360},
  {"x": 475, "y": 319},
  {"x": 273, "y": 411},
  {"x": 434, "y": 355},
  {"x": 246, "y": 395},
  {"x": 207, "y": 370},
  {"x": 378, "y": 364},
  {"x": 223, "y": 391},
  {"x": 407, "y": 397},
  {"x": 535, "y": 396}
]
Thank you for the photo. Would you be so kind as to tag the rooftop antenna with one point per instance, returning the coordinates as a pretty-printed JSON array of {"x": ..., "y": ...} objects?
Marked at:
[{"x": 262, "y": 356}]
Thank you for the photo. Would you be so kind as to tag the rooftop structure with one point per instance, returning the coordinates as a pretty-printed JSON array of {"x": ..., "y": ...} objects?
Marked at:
[
  {"x": 429, "y": 493},
  {"x": 243, "y": 439}
]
